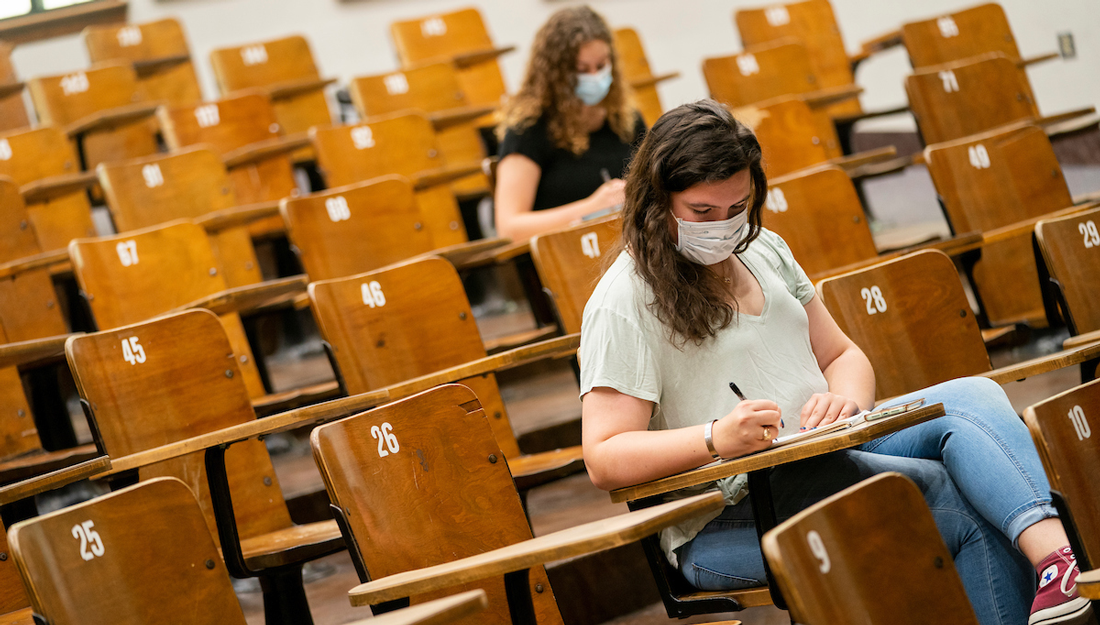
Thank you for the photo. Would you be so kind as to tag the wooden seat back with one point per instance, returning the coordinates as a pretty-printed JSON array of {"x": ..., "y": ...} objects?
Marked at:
[
  {"x": 402, "y": 322},
  {"x": 431, "y": 88},
  {"x": 134, "y": 276},
  {"x": 18, "y": 436},
  {"x": 13, "y": 113},
  {"x": 1062, "y": 430},
  {"x": 147, "y": 388},
  {"x": 910, "y": 316},
  {"x": 159, "y": 53},
  {"x": 570, "y": 262},
  {"x": 870, "y": 554},
  {"x": 357, "y": 228},
  {"x": 421, "y": 482},
  {"x": 64, "y": 99},
  {"x": 993, "y": 180},
  {"x": 814, "y": 24},
  {"x": 967, "y": 97},
  {"x": 441, "y": 37},
  {"x": 760, "y": 73},
  {"x": 634, "y": 66},
  {"x": 403, "y": 144},
  {"x": 1071, "y": 252},
  {"x": 185, "y": 184},
  {"x": 28, "y": 303},
  {"x": 230, "y": 124},
  {"x": 30, "y": 155},
  {"x": 14, "y": 603},
  {"x": 960, "y": 35},
  {"x": 820, "y": 217},
  {"x": 267, "y": 64},
  {"x": 147, "y": 544},
  {"x": 792, "y": 135}
]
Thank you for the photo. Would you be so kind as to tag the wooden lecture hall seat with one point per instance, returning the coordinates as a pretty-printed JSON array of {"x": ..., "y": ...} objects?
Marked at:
[
  {"x": 13, "y": 113},
  {"x": 164, "y": 569},
  {"x": 411, "y": 320},
  {"x": 159, "y": 54},
  {"x": 761, "y": 73},
  {"x": 870, "y": 554},
  {"x": 634, "y": 68},
  {"x": 570, "y": 262},
  {"x": 1070, "y": 249},
  {"x": 961, "y": 35},
  {"x": 911, "y": 317}
]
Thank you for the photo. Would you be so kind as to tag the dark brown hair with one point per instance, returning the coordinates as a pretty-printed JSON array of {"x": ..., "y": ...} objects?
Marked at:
[
  {"x": 694, "y": 143},
  {"x": 548, "y": 88}
]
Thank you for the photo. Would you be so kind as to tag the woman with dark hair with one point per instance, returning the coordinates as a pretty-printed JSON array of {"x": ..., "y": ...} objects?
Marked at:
[
  {"x": 568, "y": 133},
  {"x": 702, "y": 296}
]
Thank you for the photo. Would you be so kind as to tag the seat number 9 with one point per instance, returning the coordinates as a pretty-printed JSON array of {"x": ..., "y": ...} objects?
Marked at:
[{"x": 817, "y": 547}]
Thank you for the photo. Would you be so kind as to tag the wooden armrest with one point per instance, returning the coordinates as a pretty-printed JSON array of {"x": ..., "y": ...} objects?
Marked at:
[
  {"x": 497, "y": 344},
  {"x": 882, "y": 42},
  {"x": 443, "y": 175},
  {"x": 453, "y": 117},
  {"x": 832, "y": 95},
  {"x": 10, "y": 88},
  {"x": 54, "y": 479},
  {"x": 537, "y": 469},
  {"x": 291, "y": 88},
  {"x": 1071, "y": 126},
  {"x": 1088, "y": 584},
  {"x": 45, "y": 259},
  {"x": 1049, "y": 120},
  {"x": 435, "y": 612},
  {"x": 851, "y": 119},
  {"x": 1081, "y": 339},
  {"x": 281, "y": 422},
  {"x": 237, "y": 216},
  {"x": 1037, "y": 59},
  {"x": 148, "y": 66},
  {"x": 859, "y": 57},
  {"x": 1085, "y": 198},
  {"x": 1043, "y": 364},
  {"x": 459, "y": 253},
  {"x": 1028, "y": 225},
  {"x": 112, "y": 117},
  {"x": 468, "y": 59},
  {"x": 554, "y": 348},
  {"x": 53, "y": 186},
  {"x": 260, "y": 150},
  {"x": 27, "y": 352},
  {"x": 640, "y": 83},
  {"x": 864, "y": 158},
  {"x": 250, "y": 296},
  {"x": 569, "y": 543}
]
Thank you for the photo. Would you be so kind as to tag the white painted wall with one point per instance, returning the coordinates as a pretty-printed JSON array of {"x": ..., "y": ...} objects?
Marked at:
[{"x": 351, "y": 37}]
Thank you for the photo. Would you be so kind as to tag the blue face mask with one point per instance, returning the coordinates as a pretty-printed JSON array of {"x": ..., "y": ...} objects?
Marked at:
[{"x": 592, "y": 88}]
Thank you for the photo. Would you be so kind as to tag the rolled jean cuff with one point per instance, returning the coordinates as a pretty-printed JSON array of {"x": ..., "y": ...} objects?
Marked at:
[{"x": 1026, "y": 519}]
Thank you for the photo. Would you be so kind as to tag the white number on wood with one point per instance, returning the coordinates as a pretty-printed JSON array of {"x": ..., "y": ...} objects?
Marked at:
[
  {"x": 129, "y": 36},
  {"x": 153, "y": 176},
  {"x": 873, "y": 298},
  {"x": 1077, "y": 417},
  {"x": 254, "y": 55},
  {"x": 337, "y": 208},
  {"x": 132, "y": 351},
  {"x": 979, "y": 156},
  {"x": 385, "y": 438},
  {"x": 948, "y": 27},
  {"x": 207, "y": 115},
  {"x": 950, "y": 83},
  {"x": 362, "y": 137},
  {"x": 433, "y": 27},
  {"x": 777, "y": 16},
  {"x": 396, "y": 84},
  {"x": 74, "y": 83},
  {"x": 372, "y": 294},
  {"x": 127, "y": 252},
  {"x": 776, "y": 202},
  {"x": 1088, "y": 230},
  {"x": 5, "y": 150},
  {"x": 90, "y": 544},
  {"x": 747, "y": 64},
  {"x": 817, "y": 547},
  {"x": 590, "y": 245}
]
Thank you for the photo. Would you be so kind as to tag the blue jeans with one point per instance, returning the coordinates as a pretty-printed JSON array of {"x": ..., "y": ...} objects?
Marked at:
[{"x": 978, "y": 471}]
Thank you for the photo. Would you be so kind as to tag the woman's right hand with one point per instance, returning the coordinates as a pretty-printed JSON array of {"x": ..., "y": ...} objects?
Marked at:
[
  {"x": 741, "y": 432},
  {"x": 610, "y": 193}
]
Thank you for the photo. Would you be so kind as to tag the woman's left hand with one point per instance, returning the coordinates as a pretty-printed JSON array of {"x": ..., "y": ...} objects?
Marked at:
[{"x": 824, "y": 408}]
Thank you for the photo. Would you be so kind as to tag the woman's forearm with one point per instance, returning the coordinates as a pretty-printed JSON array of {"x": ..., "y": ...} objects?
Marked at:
[
  {"x": 630, "y": 458},
  {"x": 850, "y": 374},
  {"x": 522, "y": 225}
]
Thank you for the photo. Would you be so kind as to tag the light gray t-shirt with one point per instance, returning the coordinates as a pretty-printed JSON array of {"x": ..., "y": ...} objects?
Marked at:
[{"x": 625, "y": 347}]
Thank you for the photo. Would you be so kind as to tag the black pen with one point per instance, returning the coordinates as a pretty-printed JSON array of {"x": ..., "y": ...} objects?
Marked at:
[{"x": 741, "y": 396}]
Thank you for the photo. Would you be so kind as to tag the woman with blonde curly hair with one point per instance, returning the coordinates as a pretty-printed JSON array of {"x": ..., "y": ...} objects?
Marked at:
[{"x": 569, "y": 131}]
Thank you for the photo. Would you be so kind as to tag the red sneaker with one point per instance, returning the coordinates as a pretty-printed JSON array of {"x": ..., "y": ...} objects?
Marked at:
[{"x": 1057, "y": 600}]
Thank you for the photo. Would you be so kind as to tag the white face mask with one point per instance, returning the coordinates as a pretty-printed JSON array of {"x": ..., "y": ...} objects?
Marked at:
[
  {"x": 592, "y": 88},
  {"x": 711, "y": 242}
]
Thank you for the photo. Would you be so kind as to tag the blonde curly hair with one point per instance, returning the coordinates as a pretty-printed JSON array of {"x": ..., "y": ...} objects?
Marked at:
[{"x": 548, "y": 88}]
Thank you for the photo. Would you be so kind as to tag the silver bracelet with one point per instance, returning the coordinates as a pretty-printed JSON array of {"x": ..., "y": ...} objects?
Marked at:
[{"x": 708, "y": 431}]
